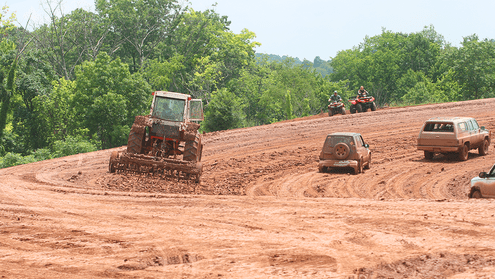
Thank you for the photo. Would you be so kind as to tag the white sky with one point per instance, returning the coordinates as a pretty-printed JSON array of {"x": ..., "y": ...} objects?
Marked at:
[{"x": 310, "y": 28}]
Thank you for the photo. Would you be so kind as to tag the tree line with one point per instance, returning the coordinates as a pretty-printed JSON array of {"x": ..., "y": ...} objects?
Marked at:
[{"x": 75, "y": 83}]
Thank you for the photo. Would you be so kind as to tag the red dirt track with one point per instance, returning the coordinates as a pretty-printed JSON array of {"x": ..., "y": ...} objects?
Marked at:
[{"x": 262, "y": 209}]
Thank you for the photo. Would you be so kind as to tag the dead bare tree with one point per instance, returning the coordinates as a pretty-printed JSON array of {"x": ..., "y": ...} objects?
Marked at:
[{"x": 68, "y": 40}]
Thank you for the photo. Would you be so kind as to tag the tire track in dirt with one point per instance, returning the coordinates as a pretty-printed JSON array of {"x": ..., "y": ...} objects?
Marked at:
[
  {"x": 406, "y": 174},
  {"x": 281, "y": 159}
]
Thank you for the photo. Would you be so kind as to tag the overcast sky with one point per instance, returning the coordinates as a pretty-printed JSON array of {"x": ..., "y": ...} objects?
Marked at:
[{"x": 310, "y": 28}]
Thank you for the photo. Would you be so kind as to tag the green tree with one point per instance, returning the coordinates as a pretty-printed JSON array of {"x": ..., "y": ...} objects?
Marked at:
[
  {"x": 34, "y": 77},
  {"x": 196, "y": 39},
  {"x": 138, "y": 26},
  {"x": 223, "y": 112},
  {"x": 8, "y": 68},
  {"x": 6, "y": 20},
  {"x": 474, "y": 67},
  {"x": 289, "y": 112},
  {"x": 211, "y": 55},
  {"x": 57, "y": 109},
  {"x": 108, "y": 97},
  {"x": 68, "y": 40},
  {"x": 380, "y": 62}
]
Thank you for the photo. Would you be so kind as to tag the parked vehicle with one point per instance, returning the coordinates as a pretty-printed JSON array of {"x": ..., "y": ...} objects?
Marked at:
[
  {"x": 483, "y": 186},
  {"x": 345, "y": 150},
  {"x": 453, "y": 135}
]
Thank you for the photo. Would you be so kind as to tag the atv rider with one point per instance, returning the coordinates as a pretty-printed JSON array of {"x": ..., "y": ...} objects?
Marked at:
[
  {"x": 361, "y": 92},
  {"x": 335, "y": 97}
]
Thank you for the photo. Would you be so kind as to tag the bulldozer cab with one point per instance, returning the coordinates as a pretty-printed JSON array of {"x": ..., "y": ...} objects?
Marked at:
[
  {"x": 196, "y": 110},
  {"x": 168, "y": 109},
  {"x": 176, "y": 107}
]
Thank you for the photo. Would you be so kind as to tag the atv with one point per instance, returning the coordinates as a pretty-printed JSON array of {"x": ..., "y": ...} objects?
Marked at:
[
  {"x": 335, "y": 107},
  {"x": 362, "y": 104}
]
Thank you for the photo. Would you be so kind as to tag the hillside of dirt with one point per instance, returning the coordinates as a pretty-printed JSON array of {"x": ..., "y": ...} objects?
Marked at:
[{"x": 262, "y": 210}]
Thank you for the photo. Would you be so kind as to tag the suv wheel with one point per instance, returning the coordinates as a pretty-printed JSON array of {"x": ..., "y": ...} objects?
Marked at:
[
  {"x": 341, "y": 150},
  {"x": 483, "y": 149},
  {"x": 359, "y": 168},
  {"x": 476, "y": 194},
  {"x": 428, "y": 155},
  {"x": 464, "y": 153},
  {"x": 368, "y": 165}
]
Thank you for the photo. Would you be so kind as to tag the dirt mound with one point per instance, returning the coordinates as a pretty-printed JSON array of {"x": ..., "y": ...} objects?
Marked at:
[
  {"x": 262, "y": 209},
  {"x": 441, "y": 265},
  {"x": 281, "y": 159}
]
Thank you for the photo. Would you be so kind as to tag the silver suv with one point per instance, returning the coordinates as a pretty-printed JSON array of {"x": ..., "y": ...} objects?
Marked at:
[
  {"x": 345, "y": 150},
  {"x": 483, "y": 186}
]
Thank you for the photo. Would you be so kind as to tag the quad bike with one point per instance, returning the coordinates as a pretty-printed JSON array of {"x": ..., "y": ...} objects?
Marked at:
[
  {"x": 166, "y": 142},
  {"x": 335, "y": 107},
  {"x": 362, "y": 104}
]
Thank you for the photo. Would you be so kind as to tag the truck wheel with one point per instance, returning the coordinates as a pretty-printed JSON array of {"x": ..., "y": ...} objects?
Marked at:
[
  {"x": 428, "y": 155},
  {"x": 464, "y": 153},
  {"x": 136, "y": 139},
  {"x": 373, "y": 107},
  {"x": 343, "y": 111},
  {"x": 476, "y": 194},
  {"x": 193, "y": 149},
  {"x": 359, "y": 108},
  {"x": 483, "y": 149},
  {"x": 341, "y": 150}
]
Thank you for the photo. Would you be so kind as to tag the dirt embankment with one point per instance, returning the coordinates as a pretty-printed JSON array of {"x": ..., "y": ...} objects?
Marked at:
[{"x": 261, "y": 210}]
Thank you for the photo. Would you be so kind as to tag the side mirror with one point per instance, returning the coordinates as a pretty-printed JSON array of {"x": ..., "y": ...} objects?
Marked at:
[
  {"x": 366, "y": 145},
  {"x": 482, "y": 174},
  {"x": 482, "y": 127}
]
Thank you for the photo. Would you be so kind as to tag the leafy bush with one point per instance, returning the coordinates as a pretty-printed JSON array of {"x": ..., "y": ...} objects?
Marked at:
[
  {"x": 14, "y": 159},
  {"x": 71, "y": 146},
  {"x": 42, "y": 154},
  {"x": 9, "y": 142},
  {"x": 61, "y": 148}
]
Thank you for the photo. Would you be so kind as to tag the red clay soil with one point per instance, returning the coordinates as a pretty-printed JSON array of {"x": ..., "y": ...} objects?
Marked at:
[{"x": 262, "y": 209}]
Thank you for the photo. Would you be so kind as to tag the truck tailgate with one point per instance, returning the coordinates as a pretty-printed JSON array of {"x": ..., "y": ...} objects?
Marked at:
[{"x": 437, "y": 139}]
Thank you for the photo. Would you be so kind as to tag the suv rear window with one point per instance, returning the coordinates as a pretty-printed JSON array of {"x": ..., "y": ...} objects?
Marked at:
[
  {"x": 439, "y": 127},
  {"x": 334, "y": 140}
]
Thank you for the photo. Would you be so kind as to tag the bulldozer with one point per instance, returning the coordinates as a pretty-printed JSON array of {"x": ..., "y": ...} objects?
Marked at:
[{"x": 166, "y": 142}]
